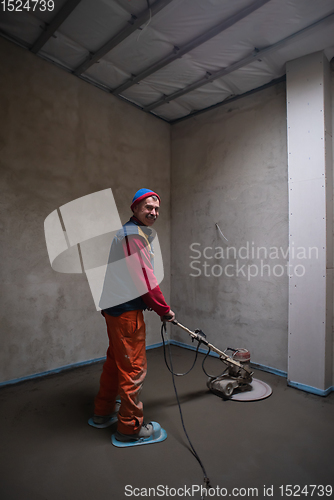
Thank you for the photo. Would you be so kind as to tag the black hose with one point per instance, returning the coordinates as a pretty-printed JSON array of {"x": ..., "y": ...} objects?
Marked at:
[
  {"x": 207, "y": 374},
  {"x": 166, "y": 362},
  {"x": 192, "y": 449}
]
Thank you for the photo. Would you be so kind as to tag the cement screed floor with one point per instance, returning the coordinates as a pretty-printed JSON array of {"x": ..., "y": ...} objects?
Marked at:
[{"x": 249, "y": 449}]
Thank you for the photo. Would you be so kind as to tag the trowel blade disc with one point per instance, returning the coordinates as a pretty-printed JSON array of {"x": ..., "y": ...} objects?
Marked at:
[{"x": 259, "y": 390}]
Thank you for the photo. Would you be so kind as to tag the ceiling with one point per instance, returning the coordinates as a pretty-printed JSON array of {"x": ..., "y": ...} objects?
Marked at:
[{"x": 173, "y": 58}]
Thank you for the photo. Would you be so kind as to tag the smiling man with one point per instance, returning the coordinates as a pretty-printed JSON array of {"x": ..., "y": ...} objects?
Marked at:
[
  {"x": 125, "y": 368},
  {"x": 146, "y": 209}
]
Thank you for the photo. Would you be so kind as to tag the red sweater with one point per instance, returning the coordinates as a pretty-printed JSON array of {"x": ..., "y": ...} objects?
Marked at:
[{"x": 154, "y": 299}]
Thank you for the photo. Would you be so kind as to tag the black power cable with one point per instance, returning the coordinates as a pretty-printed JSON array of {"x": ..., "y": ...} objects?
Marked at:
[
  {"x": 192, "y": 449},
  {"x": 166, "y": 362},
  {"x": 208, "y": 374}
]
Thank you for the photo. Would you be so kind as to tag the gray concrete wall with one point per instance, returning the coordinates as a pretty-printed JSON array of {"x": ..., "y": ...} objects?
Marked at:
[
  {"x": 61, "y": 139},
  {"x": 229, "y": 166},
  {"x": 332, "y": 92}
]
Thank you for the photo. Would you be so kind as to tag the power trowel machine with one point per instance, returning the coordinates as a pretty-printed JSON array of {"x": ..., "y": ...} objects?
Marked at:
[{"x": 237, "y": 375}]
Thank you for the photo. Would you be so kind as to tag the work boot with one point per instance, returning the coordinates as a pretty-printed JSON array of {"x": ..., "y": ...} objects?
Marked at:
[
  {"x": 103, "y": 419},
  {"x": 106, "y": 420},
  {"x": 145, "y": 432}
]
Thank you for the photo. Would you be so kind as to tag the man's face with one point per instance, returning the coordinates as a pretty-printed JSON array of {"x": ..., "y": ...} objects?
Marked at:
[{"x": 147, "y": 211}]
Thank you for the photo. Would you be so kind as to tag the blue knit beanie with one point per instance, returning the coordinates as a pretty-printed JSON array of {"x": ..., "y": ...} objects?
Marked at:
[{"x": 141, "y": 195}]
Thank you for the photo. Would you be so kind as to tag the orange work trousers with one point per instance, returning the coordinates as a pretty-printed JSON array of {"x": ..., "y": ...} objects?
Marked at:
[{"x": 124, "y": 370}]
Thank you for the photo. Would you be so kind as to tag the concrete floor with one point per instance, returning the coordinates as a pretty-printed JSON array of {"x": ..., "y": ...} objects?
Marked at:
[{"x": 48, "y": 452}]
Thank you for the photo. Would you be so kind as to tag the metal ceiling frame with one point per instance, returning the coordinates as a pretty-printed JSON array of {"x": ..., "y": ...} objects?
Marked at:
[
  {"x": 276, "y": 81},
  {"x": 59, "y": 18},
  {"x": 133, "y": 24},
  {"x": 195, "y": 42},
  {"x": 256, "y": 54},
  {"x": 24, "y": 45}
]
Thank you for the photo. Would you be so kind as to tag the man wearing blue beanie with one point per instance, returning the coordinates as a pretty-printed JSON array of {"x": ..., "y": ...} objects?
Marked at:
[{"x": 125, "y": 368}]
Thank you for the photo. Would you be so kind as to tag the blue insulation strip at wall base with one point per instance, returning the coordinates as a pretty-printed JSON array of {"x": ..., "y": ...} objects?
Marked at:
[
  {"x": 51, "y": 372},
  {"x": 268, "y": 369},
  {"x": 312, "y": 390},
  {"x": 264, "y": 368},
  {"x": 254, "y": 365},
  {"x": 63, "y": 368}
]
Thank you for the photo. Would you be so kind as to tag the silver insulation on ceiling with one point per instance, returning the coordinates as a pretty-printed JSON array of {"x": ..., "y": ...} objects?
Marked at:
[{"x": 174, "y": 58}]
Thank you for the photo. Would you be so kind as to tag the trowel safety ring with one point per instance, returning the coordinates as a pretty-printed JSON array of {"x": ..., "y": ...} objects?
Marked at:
[{"x": 259, "y": 390}]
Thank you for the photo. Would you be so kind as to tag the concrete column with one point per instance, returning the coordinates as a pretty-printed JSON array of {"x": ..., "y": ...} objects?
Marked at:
[{"x": 310, "y": 223}]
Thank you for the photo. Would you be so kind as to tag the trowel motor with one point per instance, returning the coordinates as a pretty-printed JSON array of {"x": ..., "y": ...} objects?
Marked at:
[{"x": 236, "y": 376}]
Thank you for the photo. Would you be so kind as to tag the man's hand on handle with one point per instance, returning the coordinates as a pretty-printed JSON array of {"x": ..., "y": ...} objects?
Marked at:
[{"x": 168, "y": 317}]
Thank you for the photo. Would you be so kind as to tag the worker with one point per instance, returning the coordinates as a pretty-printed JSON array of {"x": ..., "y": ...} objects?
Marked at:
[{"x": 125, "y": 367}]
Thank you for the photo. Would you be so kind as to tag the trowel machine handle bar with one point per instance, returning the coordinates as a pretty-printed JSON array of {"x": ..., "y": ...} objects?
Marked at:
[{"x": 201, "y": 338}]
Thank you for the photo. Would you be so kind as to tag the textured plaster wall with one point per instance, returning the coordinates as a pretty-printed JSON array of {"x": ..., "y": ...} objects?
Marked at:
[
  {"x": 61, "y": 139},
  {"x": 229, "y": 166},
  {"x": 332, "y": 94}
]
